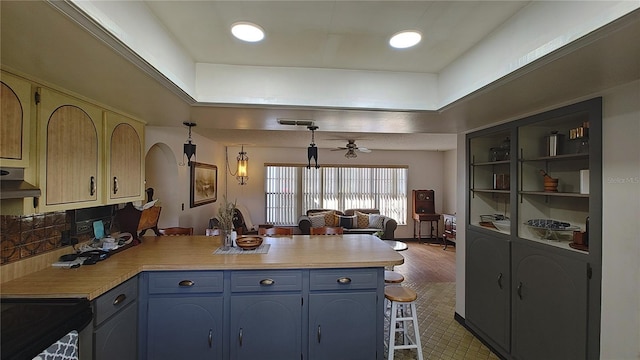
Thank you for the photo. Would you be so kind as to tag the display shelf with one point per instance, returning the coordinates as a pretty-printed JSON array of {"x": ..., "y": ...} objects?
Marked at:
[
  {"x": 549, "y": 193},
  {"x": 490, "y": 163},
  {"x": 556, "y": 158}
]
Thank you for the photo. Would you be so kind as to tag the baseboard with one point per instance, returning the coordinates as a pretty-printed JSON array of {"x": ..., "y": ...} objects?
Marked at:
[{"x": 457, "y": 317}]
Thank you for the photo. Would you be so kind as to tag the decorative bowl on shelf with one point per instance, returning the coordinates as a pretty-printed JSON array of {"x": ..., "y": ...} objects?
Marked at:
[
  {"x": 549, "y": 229},
  {"x": 503, "y": 225},
  {"x": 249, "y": 242}
]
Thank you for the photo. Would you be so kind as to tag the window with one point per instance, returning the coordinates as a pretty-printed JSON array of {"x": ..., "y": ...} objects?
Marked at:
[{"x": 292, "y": 190}]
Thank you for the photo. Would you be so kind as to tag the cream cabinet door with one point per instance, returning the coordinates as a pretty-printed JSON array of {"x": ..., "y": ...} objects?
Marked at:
[
  {"x": 15, "y": 121},
  {"x": 70, "y": 152},
  {"x": 125, "y": 164}
]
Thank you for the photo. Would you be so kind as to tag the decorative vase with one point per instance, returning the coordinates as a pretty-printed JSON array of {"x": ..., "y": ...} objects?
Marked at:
[
  {"x": 227, "y": 240},
  {"x": 550, "y": 184}
]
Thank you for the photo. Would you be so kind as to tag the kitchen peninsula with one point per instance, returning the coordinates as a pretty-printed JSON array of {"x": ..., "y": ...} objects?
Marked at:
[{"x": 308, "y": 296}]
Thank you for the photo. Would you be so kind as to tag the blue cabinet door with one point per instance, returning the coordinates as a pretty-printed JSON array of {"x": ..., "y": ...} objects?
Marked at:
[
  {"x": 185, "y": 328},
  {"x": 488, "y": 306},
  {"x": 549, "y": 305},
  {"x": 343, "y": 325},
  {"x": 117, "y": 337},
  {"x": 266, "y": 326}
]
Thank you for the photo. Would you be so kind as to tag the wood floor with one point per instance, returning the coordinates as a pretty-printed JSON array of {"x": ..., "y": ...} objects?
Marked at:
[{"x": 426, "y": 262}]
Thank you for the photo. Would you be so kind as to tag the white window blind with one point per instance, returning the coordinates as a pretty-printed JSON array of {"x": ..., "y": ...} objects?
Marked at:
[{"x": 292, "y": 190}]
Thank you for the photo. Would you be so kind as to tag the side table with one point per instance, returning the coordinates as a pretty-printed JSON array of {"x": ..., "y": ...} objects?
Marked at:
[
  {"x": 417, "y": 222},
  {"x": 449, "y": 232}
]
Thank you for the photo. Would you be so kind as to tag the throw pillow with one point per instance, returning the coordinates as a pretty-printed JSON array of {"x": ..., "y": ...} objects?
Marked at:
[
  {"x": 375, "y": 221},
  {"x": 330, "y": 219},
  {"x": 347, "y": 222},
  {"x": 317, "y": 220},
  {"x": 362, "y": 220}
]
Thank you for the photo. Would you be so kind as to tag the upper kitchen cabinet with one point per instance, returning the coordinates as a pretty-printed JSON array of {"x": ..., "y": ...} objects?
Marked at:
[
  {"x": 124, "y": 159},
  {"x": 70, "y": 152},
  {"x": 15, "y": 120}
]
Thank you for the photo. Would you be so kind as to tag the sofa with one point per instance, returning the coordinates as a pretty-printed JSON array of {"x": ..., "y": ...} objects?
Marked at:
[{"x": 353, "y": 221}]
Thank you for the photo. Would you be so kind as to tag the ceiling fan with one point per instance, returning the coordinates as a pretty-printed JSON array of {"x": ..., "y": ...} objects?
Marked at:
[{"x": 351, "y": 148}]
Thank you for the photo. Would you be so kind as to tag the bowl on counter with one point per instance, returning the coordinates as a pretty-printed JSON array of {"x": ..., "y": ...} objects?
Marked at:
[
  {"x": 249, "y": 242},
  {"x": 503, "y": 226}
]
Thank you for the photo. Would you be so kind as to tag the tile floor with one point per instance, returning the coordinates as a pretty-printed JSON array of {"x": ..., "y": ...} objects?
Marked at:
[
  {"x": 430, "y": 271},
  {"x": 442, "y": 337}
]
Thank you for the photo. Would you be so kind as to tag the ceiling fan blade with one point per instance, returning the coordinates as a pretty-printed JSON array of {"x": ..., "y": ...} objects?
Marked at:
[{"x": 363, "y": 149}]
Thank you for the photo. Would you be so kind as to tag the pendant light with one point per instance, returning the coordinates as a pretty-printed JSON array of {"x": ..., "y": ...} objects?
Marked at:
[{"x": 189, "y": 146}]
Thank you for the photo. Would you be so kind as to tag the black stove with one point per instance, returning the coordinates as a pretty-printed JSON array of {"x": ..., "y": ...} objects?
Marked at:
[{"x": 29, "y": 326}]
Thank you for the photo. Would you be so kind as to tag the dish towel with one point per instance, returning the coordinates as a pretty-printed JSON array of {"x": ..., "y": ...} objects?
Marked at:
[{"x": 262, "y": 249}]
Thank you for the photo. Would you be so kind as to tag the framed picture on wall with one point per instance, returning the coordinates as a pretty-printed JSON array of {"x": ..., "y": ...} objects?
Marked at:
[{"x": 204, "y": 183}]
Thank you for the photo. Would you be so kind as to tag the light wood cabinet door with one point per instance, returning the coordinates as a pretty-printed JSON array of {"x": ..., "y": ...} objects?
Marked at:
[
  {"x": 71, "y": 151},
  {"x": 15, "y": 121},
  {"x": 125, "y": 172}
]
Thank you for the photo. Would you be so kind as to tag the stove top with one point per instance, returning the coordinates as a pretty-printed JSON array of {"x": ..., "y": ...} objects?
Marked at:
[{"x": 29, "y": 326}]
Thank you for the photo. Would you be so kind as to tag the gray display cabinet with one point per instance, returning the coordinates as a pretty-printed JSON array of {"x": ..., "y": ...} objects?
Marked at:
[{"x": 547, "y": 302}]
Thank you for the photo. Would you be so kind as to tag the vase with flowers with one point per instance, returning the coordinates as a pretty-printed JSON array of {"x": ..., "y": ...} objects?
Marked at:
[{"x": 226, "y": 211}]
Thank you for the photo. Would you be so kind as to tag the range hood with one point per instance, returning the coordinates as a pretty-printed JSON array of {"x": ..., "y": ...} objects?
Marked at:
[{"x": 13, "y": 186}]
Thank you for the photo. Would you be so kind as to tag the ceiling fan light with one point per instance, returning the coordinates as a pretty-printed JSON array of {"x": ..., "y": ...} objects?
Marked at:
[
  {"x": 247, "y": 31},
  {"x": 350, "y": 154},
  {"x": 405, "y": 39}
]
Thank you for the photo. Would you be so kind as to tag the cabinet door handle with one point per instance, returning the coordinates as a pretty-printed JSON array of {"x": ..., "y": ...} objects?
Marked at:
[
  {"x": 319, "y": 334},
  {"x": 267, "y": 282},
  {"x": 115, "y": 185},
  {"x": 500, "y": 280},
  {"x": 92, "y": 185},
  {"x": 344, "y": 280},
  {"x": 240, "y": 337},
  {"x": 210, "y": 338},
  {"x": 119, "y": 299},
  {"x": 186, "y": 283},
  {"x": 520, "y": 290}
]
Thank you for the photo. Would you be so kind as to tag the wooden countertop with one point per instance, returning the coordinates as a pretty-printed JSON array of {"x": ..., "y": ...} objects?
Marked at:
[{"x": 196, "y": 253}]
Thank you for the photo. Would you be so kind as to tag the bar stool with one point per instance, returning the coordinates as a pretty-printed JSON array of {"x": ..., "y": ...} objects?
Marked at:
[
  {"x": 392, "y": 277},
  {"x": 403, "y": 301}
]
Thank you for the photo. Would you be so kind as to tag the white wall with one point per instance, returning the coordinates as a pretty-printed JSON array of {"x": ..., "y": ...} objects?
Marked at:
[
  {"x": 425, "y": 172},
  {"x": 450, "y": 171},
  {"x": 620, "y": 313},
  {"x": 170, "y": 180},
  {"x": 620, "y": 326},
  {"x": 535, "y": 31}
]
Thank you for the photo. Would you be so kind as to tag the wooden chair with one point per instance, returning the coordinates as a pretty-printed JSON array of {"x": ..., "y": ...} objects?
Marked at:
[
  {"x": 275, "y": 231},
  {"x": 171, "y": 231},
  {"x": 327, "y": 230}
]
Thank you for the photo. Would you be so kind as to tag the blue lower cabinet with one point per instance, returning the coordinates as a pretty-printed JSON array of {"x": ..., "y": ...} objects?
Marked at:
[
  {"x": 278, "y": 314},
  {"x": 266, "y": 326},
  {"x": 185, "y": 328},
  {"x": 342, "y": 325}
]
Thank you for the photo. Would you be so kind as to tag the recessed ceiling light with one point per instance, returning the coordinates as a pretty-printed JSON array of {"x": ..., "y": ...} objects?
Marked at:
[
  {"x": 247, "y": 31},
  {"x": 405, "y": 39}
]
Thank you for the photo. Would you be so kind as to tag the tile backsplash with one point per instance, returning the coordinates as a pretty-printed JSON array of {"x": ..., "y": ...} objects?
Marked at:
[{"x": 25, "y": 236}]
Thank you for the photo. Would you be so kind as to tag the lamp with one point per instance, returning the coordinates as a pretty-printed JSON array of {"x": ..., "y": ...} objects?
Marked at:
[
  {"x": 312, "y": 150},
  {"x": 351, "y": 154},
  {"x": 189, "y": 147},
  {"x": 242, "y": 172},
  {"x": 242, "y": 167}
]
